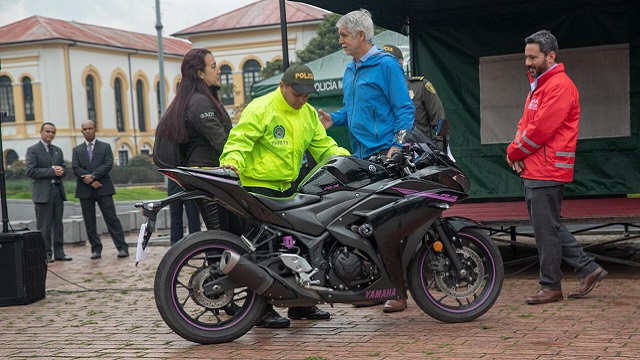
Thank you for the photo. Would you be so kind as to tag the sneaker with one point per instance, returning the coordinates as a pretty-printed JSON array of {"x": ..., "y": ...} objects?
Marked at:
[{"x": 307, "y": 312}]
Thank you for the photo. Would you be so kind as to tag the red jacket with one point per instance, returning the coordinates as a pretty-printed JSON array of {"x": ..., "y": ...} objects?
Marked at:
[{"x": 548, "y": 130}]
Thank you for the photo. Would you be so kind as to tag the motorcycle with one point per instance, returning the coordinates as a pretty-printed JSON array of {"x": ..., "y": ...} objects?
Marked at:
[{"x": 356, "y": 231}]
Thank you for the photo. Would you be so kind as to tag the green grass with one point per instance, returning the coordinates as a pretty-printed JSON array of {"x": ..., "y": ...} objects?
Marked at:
[{"x": 21, "y": 189}]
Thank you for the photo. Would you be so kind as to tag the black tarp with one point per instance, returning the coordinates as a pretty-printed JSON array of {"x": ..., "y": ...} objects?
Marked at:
[{"x": 448, "y": 39}]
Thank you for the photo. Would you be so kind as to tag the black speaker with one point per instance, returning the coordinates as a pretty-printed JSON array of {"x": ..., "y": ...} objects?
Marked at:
[{"x": 23, "y": 267}]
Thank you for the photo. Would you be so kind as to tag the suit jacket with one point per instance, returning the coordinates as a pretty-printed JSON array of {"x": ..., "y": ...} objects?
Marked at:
[
  {"x": 40, "y": 170},
  {"x": 100, "y": 165}
]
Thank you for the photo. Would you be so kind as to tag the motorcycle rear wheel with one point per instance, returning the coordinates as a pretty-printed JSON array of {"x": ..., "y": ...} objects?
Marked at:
[
  {"x": 186, "y": 309},
  {"x": 439, "y": 292}
]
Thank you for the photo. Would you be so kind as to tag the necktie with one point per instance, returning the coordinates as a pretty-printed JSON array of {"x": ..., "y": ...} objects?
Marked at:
[
  {"x": 90, "y": 150},
  {"x": 50, "y": 150}
]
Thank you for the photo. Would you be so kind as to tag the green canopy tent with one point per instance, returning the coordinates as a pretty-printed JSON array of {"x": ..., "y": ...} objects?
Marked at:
[
  {"x": 328, "y": 72},
  {"x": 468, "y": 47}
]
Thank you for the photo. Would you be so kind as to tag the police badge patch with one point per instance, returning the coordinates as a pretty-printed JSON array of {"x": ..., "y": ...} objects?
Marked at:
[
  {"x": 278, "y": 132},
  {"x": 430, "y": 87}
]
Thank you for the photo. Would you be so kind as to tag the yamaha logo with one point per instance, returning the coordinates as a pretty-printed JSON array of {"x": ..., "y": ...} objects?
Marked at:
[{"x": 372, "y": 169}]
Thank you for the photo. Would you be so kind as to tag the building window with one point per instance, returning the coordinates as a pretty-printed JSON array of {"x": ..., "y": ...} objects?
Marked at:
[
  {"x": 91, "y": 100},
  {"x": 250, "y": 75},
  {"x": 123, "y": 157},
  {"x": 117, "y": 89},
  {"x": 10, "y": 157},
  {"x": 27, "y": 92},
  {"x": 142, "y": 116},
  {"x": 226, "y": 84},
  {"x": 6, "y": 98},
  {"x": 145, "y": 152}
]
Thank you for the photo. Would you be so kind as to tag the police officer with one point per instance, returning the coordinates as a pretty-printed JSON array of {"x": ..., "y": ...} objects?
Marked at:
[{"x": 429, "y": 108}]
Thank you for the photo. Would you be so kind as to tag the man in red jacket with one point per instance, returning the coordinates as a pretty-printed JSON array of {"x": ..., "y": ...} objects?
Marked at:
[{"x": 543, "y": 153}]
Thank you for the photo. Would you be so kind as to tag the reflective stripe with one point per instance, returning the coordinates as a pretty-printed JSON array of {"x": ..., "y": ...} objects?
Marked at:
[
  {"x": 525, "y": 138},
  {"x": 563, "y": 153},
  {"x": 522, "y": 148},
  {"x": 563, "y": 165}
]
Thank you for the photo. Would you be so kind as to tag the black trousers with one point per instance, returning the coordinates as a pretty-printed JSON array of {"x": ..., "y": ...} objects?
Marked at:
[
  {"x": 108, "y": 209},
  {"x": 175, "y": 210}
]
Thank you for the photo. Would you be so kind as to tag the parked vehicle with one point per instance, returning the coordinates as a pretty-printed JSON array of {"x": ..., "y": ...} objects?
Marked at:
[{"x": 357, "y": 230}]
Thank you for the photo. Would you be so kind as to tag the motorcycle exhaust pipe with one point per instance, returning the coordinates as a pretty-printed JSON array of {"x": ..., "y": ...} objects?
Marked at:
[{"x": 254, "y": 277}]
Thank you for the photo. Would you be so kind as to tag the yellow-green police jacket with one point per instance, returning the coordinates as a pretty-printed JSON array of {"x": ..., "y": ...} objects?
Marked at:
[{"x": 269, "y": 141}]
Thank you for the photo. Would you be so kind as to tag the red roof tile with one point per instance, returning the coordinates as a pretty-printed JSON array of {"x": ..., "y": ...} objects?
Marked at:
[
  {"x": 261, "y": 13},
  {"x": 38, "y": 28}
]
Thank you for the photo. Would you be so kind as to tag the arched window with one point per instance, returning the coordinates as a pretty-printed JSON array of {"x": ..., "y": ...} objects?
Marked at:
[
  {"x": 27, "y": 93},
  {"x": 142, "y": 116},
  {"x": 226, "y": 84},
  {"x": 250, "y": 75},
  {"x": 91, "y": 100},
  {"x": 117, "y": 90},
  {"x": 6, "y": 98},
  {"x": 10, "y": 157}
]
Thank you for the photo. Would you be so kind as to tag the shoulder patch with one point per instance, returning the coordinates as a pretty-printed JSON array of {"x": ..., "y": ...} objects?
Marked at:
[
  {"x": 416, "y": 78},
  {"x": 430, "y": 87}
]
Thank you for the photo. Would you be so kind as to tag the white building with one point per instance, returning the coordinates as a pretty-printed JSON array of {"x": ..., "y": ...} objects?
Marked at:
[{"x": 66, "y": 72}]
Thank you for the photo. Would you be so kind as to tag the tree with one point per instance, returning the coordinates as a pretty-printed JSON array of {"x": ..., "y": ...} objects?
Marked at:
[
  {"x": 324, "y": 43},
  {"x": 271, "y": 69}
]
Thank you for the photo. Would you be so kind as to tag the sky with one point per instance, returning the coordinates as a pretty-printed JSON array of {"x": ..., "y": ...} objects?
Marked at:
[{"x": 130, "y": 15}]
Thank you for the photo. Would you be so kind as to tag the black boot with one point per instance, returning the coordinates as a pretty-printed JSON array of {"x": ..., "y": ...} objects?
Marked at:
[
  {"x": 271, "y": 319},
  {"x": 307, "y": 312}
]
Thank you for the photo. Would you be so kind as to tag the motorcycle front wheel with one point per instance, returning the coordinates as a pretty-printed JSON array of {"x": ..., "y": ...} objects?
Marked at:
[
  {"x": 444, "y": 295},
  {"x": 220, "y": 315}
]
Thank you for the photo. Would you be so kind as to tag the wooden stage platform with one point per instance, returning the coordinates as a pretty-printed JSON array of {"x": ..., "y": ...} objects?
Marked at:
[{"x": 506, "y": 217}]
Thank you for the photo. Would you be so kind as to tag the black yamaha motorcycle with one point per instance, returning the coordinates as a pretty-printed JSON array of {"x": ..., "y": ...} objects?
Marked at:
[{"x": 356, "y": 230}]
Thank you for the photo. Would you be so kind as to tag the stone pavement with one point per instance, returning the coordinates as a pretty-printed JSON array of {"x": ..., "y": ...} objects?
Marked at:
[{"x": 104, "y": 309}]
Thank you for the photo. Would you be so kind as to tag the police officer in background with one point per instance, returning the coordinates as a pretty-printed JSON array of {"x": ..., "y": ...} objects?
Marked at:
[{"x": 429, "y": 108}]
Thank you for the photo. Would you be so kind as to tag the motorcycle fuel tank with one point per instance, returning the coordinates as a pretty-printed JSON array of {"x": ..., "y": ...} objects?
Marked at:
[{"x": 342, "y": 173}]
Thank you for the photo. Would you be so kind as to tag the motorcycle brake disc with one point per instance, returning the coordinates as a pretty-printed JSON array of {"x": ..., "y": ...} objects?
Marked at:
[
  {"x": 467, "y": 286},
  {"x": 196, "y": 283}
]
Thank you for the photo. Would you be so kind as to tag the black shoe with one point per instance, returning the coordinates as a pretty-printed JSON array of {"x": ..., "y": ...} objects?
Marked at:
[
  {"x": 50, "y": 260},
  {"x": 123, "y": 254},
  {"x": 272, "y": 320},
  {"x": 95, "y": 255},
  {"x": 307, "y": 312},
  {"x": 64, "y": 258}
]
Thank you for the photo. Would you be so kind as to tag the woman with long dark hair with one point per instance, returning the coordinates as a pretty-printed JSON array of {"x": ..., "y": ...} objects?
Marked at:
[{"x": 197, "y": 120}]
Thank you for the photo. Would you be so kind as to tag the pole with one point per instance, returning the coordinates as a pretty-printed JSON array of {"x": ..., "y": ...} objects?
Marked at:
[
  {"x": 160, "y": 60},
  {"x": 283, "y": 31},
  {"x": 3, "y": 185}
]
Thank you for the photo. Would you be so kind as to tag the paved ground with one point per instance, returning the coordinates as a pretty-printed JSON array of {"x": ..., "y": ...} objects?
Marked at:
[{"x": 104, "y": 309}]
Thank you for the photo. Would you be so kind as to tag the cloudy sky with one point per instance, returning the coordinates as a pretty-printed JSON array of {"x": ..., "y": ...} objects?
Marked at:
[{"x": 131, "y": 15}]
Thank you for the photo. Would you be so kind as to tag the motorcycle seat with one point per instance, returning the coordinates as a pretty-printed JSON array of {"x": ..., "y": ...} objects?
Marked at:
[
  {"x": 278, "y": 204},
  {"x": 219, "y": 172}
]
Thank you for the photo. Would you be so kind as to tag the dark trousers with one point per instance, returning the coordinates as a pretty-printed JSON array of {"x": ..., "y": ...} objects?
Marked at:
[
  {"x": 49, "y": 223},
  {"x": 217, "y": 217},
  {"x": 553, "y": 240},
  {"x": 108, "y": 209},
  {"x": 175, "y": 210}
]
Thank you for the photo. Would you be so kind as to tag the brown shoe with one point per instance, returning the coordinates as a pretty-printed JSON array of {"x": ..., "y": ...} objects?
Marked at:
[
  {"x": 588, "y": 282},
  {"x": 545, "y": 295},
  {"x": 394, "y": 305}
]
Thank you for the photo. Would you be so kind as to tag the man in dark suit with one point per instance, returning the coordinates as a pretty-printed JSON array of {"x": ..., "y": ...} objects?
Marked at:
[
  {"x": 46, "y": 168},
  {"x": 92, "y": 161}
]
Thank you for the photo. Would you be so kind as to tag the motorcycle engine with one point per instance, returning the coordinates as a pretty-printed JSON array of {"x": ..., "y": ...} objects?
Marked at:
[{"x": 348, "y": 269}]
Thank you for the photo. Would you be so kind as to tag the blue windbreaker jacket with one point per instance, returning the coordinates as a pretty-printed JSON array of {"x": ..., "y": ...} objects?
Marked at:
[{"x": 376, "y": 104}]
